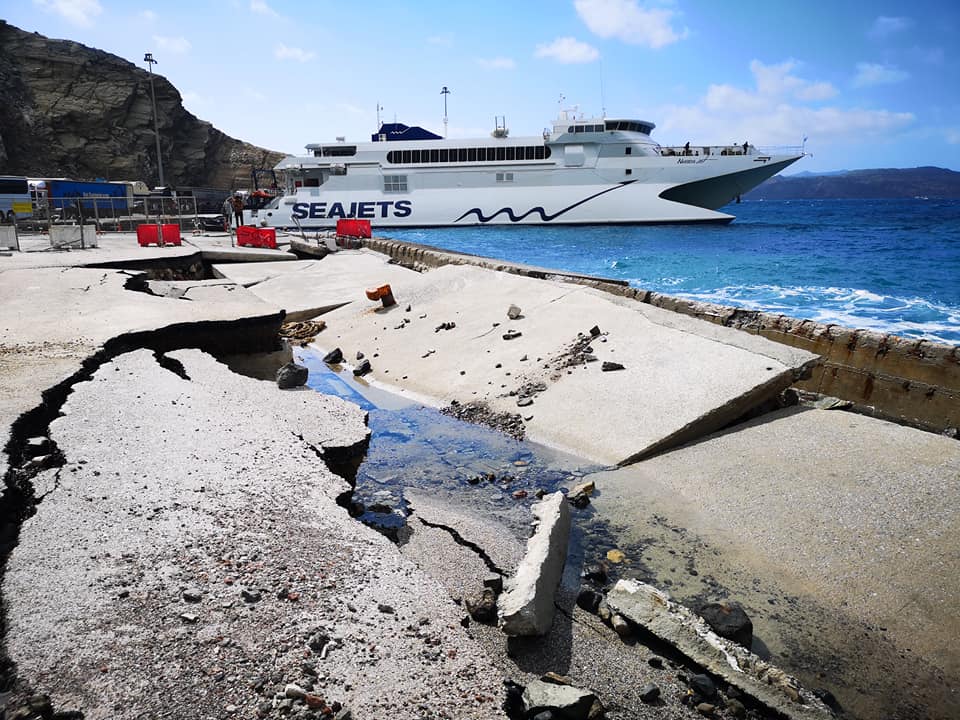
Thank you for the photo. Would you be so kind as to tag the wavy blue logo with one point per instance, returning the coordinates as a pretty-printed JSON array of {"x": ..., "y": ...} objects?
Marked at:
[{"x": 544, "y": 215}]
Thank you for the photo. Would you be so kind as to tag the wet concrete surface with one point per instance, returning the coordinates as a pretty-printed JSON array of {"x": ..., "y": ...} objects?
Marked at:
[{"x": 415, "y": 452}]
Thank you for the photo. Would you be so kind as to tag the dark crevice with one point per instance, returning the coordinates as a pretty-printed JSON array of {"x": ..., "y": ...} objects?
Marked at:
[
  {"x": 18, "y": 500},
  {"x": 460, "y": 540},
  {"x": 171, "y": 364}
]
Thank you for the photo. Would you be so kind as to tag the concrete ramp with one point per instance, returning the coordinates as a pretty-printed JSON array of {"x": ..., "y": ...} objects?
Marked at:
[
  {"x": 681, "y": 379},
  {"x": 307, "y": 288}
]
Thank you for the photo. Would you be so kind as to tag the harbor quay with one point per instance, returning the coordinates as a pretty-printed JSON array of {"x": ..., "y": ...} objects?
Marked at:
[{"x": 177, "y": 534}]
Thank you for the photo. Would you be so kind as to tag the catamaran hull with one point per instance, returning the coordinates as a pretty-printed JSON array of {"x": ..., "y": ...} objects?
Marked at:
[{"x": 682, "y": 195}]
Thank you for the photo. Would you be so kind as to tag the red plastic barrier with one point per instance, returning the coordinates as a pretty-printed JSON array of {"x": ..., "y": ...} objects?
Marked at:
[
  {"x": 353, "y": 228},
  {"x": 171, "y": 234},
  {"x": 247, "y": 236},
  {"x": 268, "y": 238},
  {"x": 147, "y": 235}
]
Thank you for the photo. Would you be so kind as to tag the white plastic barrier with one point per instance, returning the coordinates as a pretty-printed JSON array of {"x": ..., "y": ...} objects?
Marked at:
[
  {"x": 8, "y": 238},
  {"x": 65, "y": 236}
]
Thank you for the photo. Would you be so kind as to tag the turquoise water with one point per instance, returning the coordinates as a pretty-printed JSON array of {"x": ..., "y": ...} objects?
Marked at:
[{"x": 885, "y": 265}]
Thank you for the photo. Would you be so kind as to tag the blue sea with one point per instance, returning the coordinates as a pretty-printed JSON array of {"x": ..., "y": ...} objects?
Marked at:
[{"x": 886, "y": 265}]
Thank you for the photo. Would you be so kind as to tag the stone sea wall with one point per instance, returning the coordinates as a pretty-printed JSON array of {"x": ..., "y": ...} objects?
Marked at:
[{"x": 915, "y": 382}]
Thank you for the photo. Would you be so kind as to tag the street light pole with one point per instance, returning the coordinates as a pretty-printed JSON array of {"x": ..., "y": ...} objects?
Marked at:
[
  {"x": 444, "y": 92},
  {"x": 148, "y": 59}
]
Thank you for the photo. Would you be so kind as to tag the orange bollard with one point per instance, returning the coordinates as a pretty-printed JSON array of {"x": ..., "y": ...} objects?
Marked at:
[{"x": 382, "y": 293}]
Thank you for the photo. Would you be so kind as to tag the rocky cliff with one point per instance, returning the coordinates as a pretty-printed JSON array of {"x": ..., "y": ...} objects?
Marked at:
[{"x": 72, "y": 111}]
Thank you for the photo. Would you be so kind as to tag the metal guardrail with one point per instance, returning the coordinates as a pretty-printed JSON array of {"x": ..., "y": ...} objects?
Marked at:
[
  {"x": 713, "y": 150},
  {"x": 93, "y": 214}
]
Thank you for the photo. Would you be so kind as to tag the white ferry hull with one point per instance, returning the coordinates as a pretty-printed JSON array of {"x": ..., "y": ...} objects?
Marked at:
[
  {"x": 627, "y": 202},
  {"x": 599, "y": 172}
]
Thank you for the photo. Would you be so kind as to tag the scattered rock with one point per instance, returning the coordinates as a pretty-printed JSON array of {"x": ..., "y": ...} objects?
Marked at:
[
  {"x": 610, "y": 366},
  {"x": 595, "y": 331},
  {"x": 292, "y": 375},
  {"x": 512, "y": 334},
  {"x": 655, "y": 662},
  {"x": 706, "y": 709},
  {"x": 620, "y": 625},
  {"x": 524, "y": 402},
  {"x": 736, "y": 708},
  {"x": 483, "y": 607},
  {"x": 192, "y": 595},
  {"x": 728, "y": 619},
  {"x": 570, "y": 703},
  {"x": 589, "y": 599},
  {"x": 649, "y": 693},
  {"x": 703, "y": 686},
  {"x": 360, "y": 355},
  {"x": 294, "y": 692},
  {"x": 445, "y": 326},
  {"x": 513, "y": 312},
  {"x": 334, "y": 357},
  {"x": 596, "y": 572},
  {"x": 386, "y": 609},
  {"x": 250, "y": 596},
  {"x": 556, "y": 679},
  {"x": 362, "y": 369}
]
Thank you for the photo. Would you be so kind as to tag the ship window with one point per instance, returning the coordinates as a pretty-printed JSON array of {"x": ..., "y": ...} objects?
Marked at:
[
  {"x": 628, "y": 151},
  {"x": 539, "y": 152},
  {"x": 445, "y": 155},
  {"x": 406, "y": 154},
  {"x": 512, "y": 153},
  {"x": 340, "y": 151},
  {"x": 392, "y": 156},
  {"x": 505, "y": 177},
  {"x": 394, "y": 183},
  {"x": 570, "y": 129},
  {"x": 482, "y": 154},
  {"x": 311, "y": 182},
  {"x": 578, "y": 129},
  {"x": 434, "y": 156},
  {"x": 629, "y": 171},
  {"x": 501, "y": 154},
  {"x": 462, "y": 154},
  {"x": 471, "y": 154},
  {"x": 415, "y": 156}
]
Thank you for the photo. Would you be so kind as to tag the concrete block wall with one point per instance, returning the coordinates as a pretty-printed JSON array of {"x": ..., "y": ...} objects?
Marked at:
[{"x": 910, "y": 381}]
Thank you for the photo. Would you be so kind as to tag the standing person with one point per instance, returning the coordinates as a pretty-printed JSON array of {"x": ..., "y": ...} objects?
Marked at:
[
  {"x": 237, "y": 204},
  {"x": 227, "y": 211},
  {"x": 745, "y": 146}
]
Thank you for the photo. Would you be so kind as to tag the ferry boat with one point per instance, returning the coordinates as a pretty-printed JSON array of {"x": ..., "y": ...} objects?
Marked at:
[{"x": 583, "y": 171}]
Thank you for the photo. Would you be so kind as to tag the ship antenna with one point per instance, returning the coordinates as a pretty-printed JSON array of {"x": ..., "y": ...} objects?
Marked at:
[
  {"x": 603, "y": 104},
  {"x": 444, "y": 92},
  {"x": 379, "y": 108}
]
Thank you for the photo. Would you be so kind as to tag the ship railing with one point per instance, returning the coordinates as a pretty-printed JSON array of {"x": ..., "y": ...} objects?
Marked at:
[{"x": 725, "y": 150}]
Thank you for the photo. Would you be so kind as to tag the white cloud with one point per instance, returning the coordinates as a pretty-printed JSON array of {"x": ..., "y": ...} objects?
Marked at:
[
  {"x": 177, "y": 45},
  {"x": 774, "y": 83},
  {"x": 776, "y": 111},
  {"x": 626, "y": 20},
  {"x": 884, "y": 26},
  {"x": 260, "y": 7},
  {"x": 75, "y": 12},
  {"x": 497, "y": 63},
  {"x": 148, "y": 16},
  {"x": 254, "y": 95},
  {"x": 568, "y": 50},
  {"x": 953, "y": 136},
  {"x": 869, "y": 74},
  {"x": 293, "y": 53}
]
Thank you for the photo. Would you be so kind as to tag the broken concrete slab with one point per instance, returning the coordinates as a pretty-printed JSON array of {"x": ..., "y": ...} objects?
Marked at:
[
  {"x": 655, "y": 612},
  {"x": 527, "y": 606},
  {"x": 683, "y": 378},
  {"x": 307, "y": 288},
  {"x": 174, "y": 484}
]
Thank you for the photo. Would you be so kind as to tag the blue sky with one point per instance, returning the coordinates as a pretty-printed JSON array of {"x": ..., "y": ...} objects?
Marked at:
[{"x": 870, "y": 84}]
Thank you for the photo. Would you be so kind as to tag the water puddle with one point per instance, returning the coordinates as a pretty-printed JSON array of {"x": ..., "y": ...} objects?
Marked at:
[{"x": 417, "y": 447}]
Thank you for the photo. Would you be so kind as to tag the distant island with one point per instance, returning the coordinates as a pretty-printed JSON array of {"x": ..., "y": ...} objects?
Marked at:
[{"x": 928, "y": 182}]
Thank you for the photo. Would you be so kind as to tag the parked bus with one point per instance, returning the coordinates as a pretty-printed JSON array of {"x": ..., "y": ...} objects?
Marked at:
[
  {"x": 14, "y": 199},
  {"x": 67, "y": 199}
]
